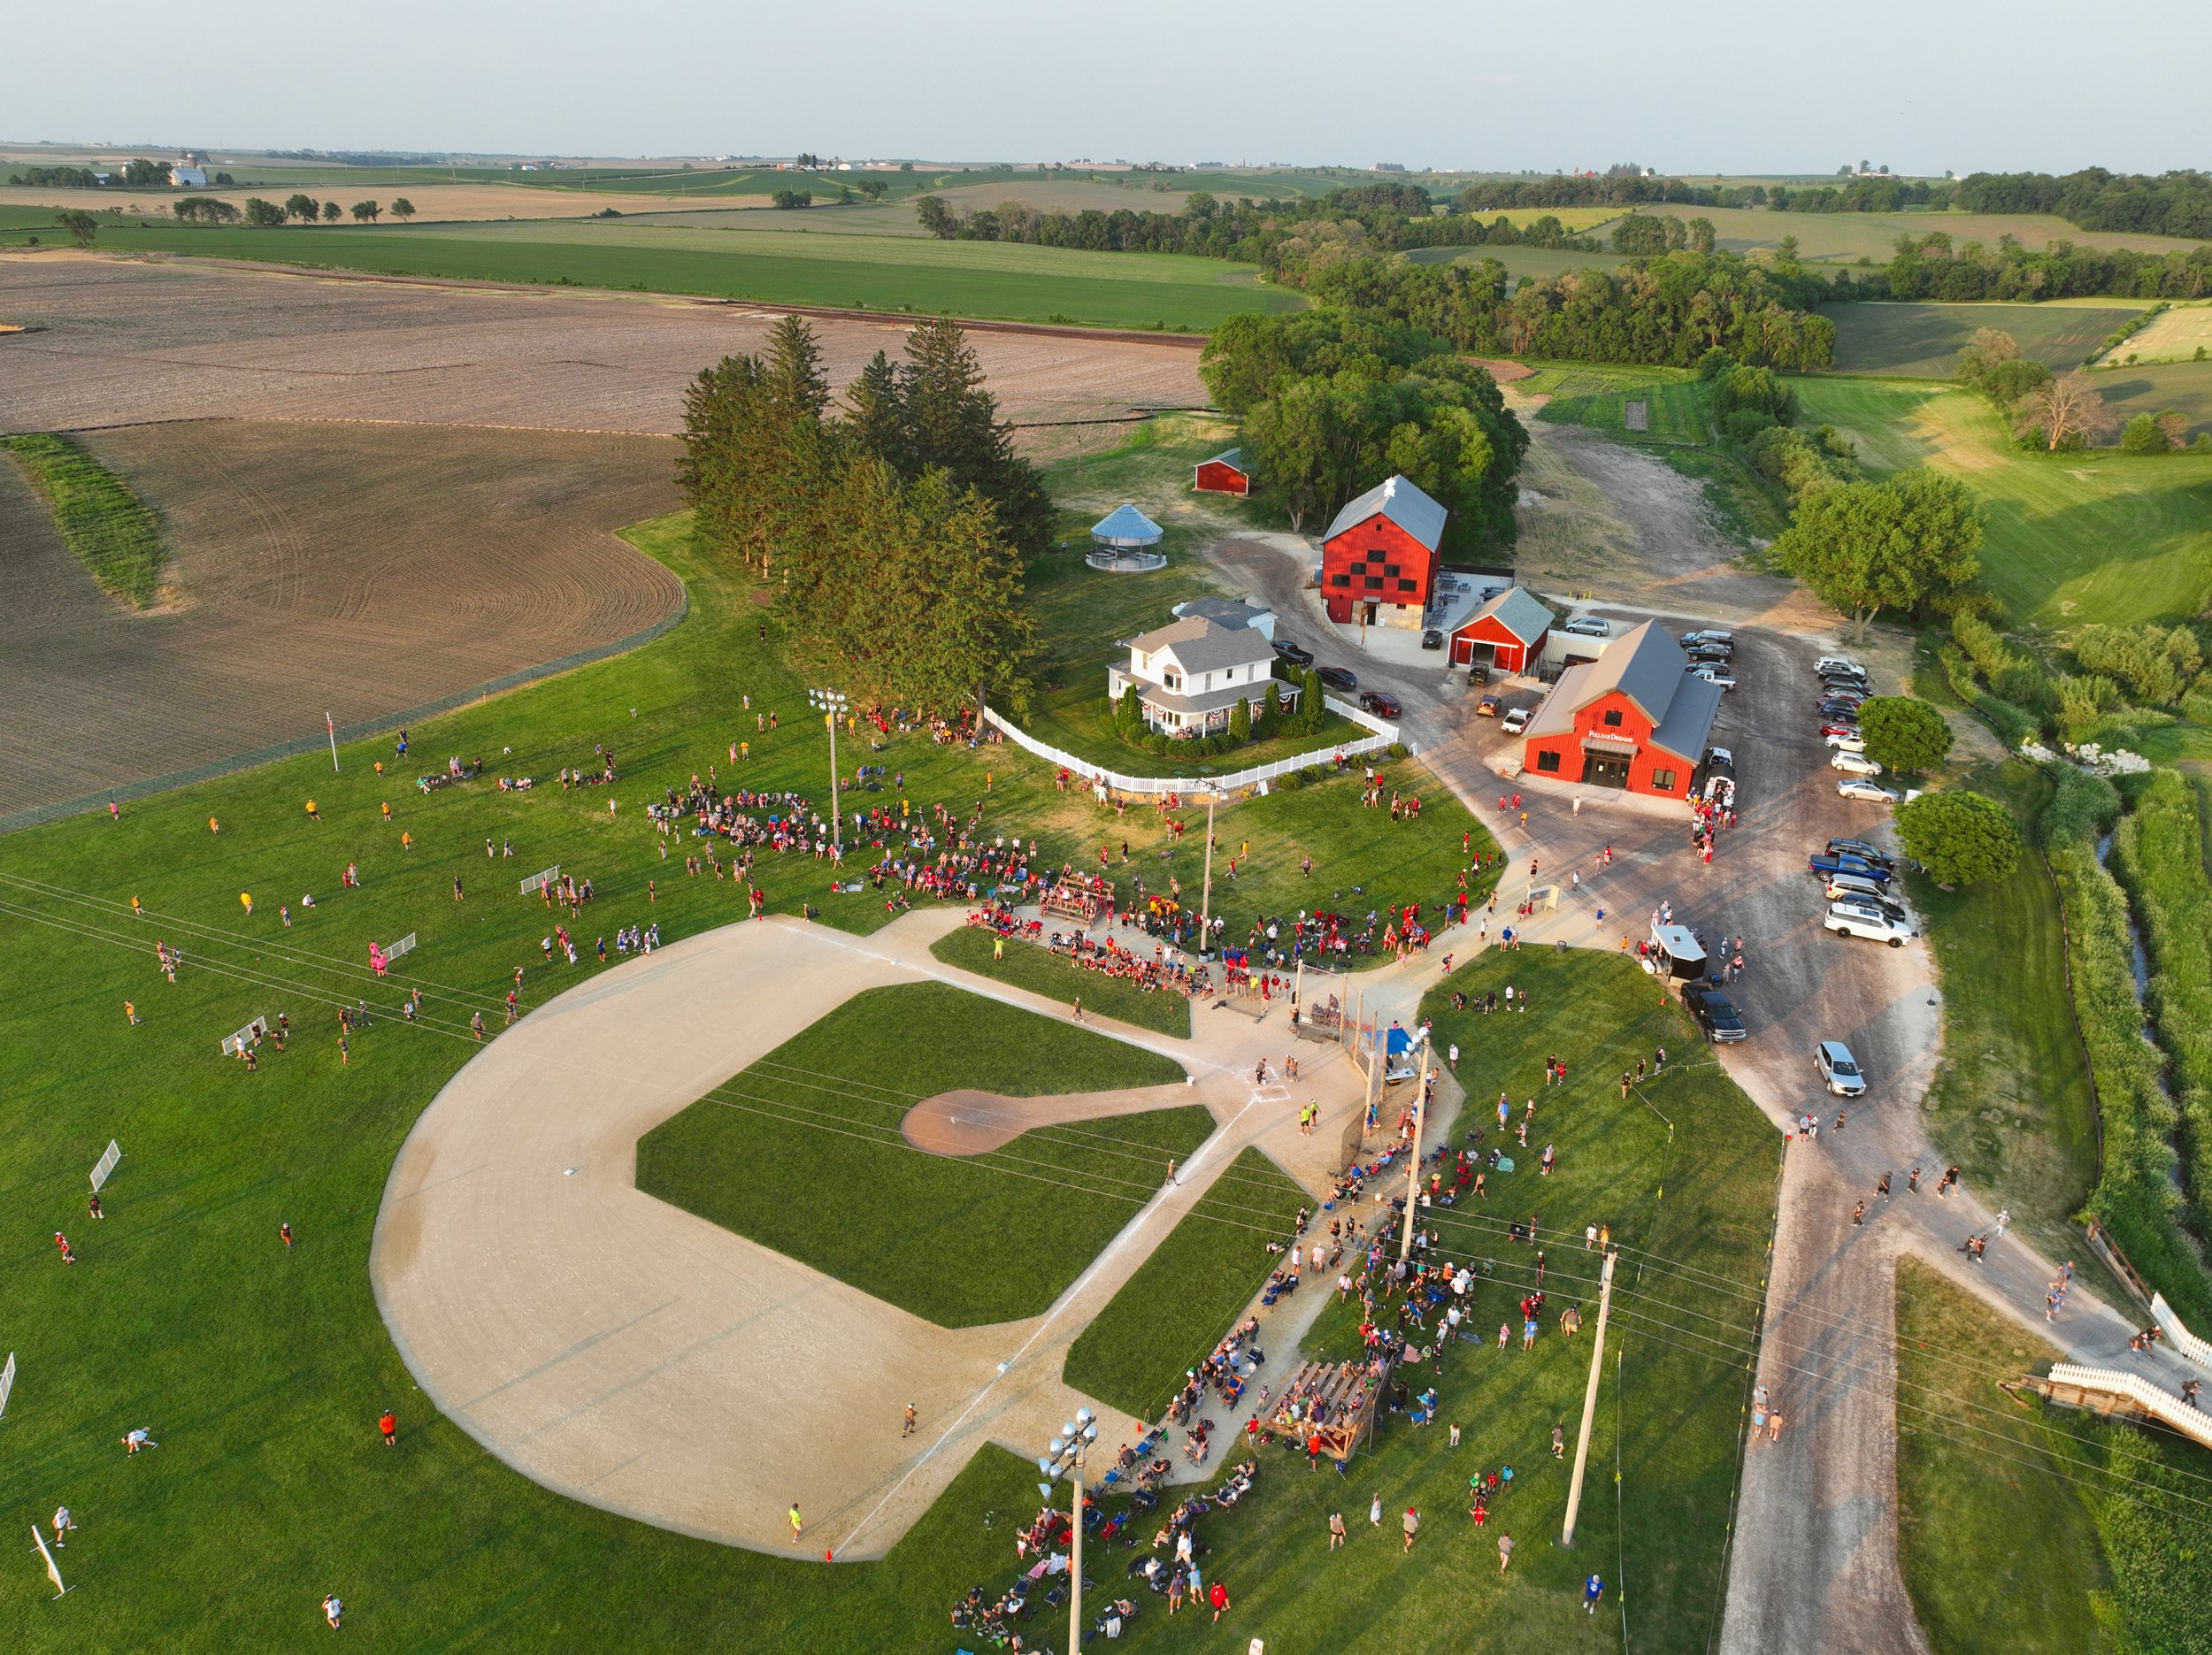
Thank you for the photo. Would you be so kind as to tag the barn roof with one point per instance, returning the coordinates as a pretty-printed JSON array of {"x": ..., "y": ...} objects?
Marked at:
[
  {"x": 1518, "y": 610},
  {"x": 1649, "y": 668},
  {"x": 1125, "y": 525},
  {"x": 1233, "y": 458},
  {"x": 1402, "y": 503}
]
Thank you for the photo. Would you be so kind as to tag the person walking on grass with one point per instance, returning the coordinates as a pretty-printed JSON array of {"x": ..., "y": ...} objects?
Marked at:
[
  {"x": 63, "y": 1523},
  {"x": 387, "y": 1427},
  {"x": 332, "y": 1610},
  {"x": 1411, "y": 1523},
  {"x": 1217, "y": 1595},
  {"x": 1593, "y": 1589},
  {"x": 130, "y": 1016},
  {"x": 284, "y": 1234},
  {"x": 1505, "y": 1552},
  {"x": 1336, "y": 1529}
]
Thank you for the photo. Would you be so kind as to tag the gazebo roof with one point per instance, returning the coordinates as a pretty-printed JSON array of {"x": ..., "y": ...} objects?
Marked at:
[{"x": 1125, "y": 525}]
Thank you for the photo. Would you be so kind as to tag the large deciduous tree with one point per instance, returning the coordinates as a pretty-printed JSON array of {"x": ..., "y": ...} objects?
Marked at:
[
  {"x": 1960, "y": 837},
  {"x": 1865, "y": 548},
  {"x": 1903, "y": 735},
  {"x": 2065, "y": 413}
]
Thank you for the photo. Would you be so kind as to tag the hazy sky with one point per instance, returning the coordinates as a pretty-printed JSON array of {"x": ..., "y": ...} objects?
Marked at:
[{"x": 1697, "y": 87}]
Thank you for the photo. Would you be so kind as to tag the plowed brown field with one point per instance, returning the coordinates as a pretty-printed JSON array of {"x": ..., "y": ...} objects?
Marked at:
[
  {"x": 356, "y": 569},
  {"x": 124, "y": 340}
]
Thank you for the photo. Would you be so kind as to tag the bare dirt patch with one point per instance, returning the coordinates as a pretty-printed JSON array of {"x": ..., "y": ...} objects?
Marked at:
[
  {"x": 970, "y": 1123},
  {"x": 122, "y": 340},
  {"x": 356, "y": 569}
]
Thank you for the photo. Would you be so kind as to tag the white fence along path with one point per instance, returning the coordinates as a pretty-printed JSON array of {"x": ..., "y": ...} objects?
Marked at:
[
  {"x": 2186, "y": 1345},
  {"x": 1384, "y": 734},
  {"x": 2162, "y": 1405}
]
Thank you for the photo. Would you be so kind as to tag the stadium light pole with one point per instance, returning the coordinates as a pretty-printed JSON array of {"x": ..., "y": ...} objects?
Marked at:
[
  {"x": 1068, "y": 1453},
  {"x": 831, "y": 705}
]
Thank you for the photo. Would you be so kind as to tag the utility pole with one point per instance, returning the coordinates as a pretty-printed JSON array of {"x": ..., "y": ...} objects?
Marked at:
[
  {"x": 830, "y": 704},
  {"x": 1589, "y": 1400},
  {"x": 1420, "y": 1121}
]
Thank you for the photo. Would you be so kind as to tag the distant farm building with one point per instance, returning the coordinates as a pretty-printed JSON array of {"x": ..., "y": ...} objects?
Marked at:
[
  {"x": 1378, "y": 560},
  {"x": 1506, "y": 634},
  {"x": 1223, "y": 474},
  {"x": 1124, "y": 539},
  {"x": 1635, "y": 718},
  {"x": 188, "y": 177}
]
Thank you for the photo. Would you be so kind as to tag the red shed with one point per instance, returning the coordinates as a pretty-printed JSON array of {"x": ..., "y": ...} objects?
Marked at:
[
  {"x": 1379, "y": 557},
  {"x": 1634, "y": 718},
  {"x": 1223, "y": 474},
  {"x": 1508, "y": 633}
]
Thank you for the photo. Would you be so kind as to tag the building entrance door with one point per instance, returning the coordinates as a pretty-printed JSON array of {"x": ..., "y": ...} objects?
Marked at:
[
  {"x": 1370, "y": 614},
  {"x": 1600, "y": 771}
]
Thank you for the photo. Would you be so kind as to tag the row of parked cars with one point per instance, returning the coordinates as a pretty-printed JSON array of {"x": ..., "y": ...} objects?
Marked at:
[
  {"x": 1712, "y": 656},
  {"x": 1861, "y": 884},
  {"x": 1343, "y": 680},
  {"x": 1844, "y": 688}
]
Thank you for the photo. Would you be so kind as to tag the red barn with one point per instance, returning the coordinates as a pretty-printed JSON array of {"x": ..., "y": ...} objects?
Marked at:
[
  {"x": 1634, "y": 718},
  {"x": 1223, "y": 474},
  {"x": 1378, "y": 560},
  {"x": 1506, "y": 634}
]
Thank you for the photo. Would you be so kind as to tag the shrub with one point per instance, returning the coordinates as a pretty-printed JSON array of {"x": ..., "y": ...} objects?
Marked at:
[
  {"x": 1962, "y": 838},
  {"x": 2083, "y": 697},
  {"x": 1240, "y": 721},
  {"x": 1396, "y": 749},
  {"x": 2144, "y": 435}
]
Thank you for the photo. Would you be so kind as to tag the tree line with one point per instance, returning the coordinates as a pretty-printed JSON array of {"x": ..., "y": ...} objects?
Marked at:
[
  {"x": 2173, "y": 204},
  {"x": 1933, "y": 266},
  {"x": 892, "y": 527},
  {"x": 138, "y": 173}
]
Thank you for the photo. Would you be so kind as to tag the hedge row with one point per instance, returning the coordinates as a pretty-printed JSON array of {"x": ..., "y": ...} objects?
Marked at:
[
  {"x": 2135, "y": 1197},
  {"x": 2013, "y": 724},
  {"x": 105, "y": 526},
  {"x": 2159, "y": 857}
]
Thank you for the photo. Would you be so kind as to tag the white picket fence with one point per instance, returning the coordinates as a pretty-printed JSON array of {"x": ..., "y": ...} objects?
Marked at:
[
  {"x": 1383, "y": 735},
  {"x": 2162, "y": 1405},
  {"x": 2186, "y": 1345}
]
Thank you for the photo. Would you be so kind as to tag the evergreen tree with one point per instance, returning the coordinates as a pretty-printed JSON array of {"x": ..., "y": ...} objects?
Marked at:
[
  {"x": 951, "y": 421},
  {"x": 1240, "y": 720}
]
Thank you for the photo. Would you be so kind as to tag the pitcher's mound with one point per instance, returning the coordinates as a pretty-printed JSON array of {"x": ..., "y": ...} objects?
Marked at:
[{"x": 966, "y": 1123}]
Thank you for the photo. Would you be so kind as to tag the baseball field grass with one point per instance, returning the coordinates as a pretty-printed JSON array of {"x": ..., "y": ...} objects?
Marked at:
[
  {"x": 957, "y": 1240},
  {"x": 2071, "y": 537},
  {"x": 1037, "y": 968},
  {"x": 1168, "y": 292},
  {"x": 1921, "y": 341}
]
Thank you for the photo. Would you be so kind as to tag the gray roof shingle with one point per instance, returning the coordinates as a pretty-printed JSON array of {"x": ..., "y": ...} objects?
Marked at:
[
  {"x": 1649, "y": 668},
  {"x": 1520, "y": 611},
  {"x": 1203, "y": 646},
  {"x": 1402, "y": 503}
]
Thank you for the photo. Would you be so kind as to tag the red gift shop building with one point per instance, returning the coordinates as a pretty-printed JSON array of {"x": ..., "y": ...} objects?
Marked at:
[{"x": 1635, "y": 718}]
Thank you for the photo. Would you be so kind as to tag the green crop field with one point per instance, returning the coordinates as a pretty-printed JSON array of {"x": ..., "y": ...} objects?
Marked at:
[
  {"x": 2184, "y": 387},
  {"x": 2182, "y": 333},
  {"x": 1921, "y": 341},
  {"x": 1844, "y": 238},
  {"x": 981, "y": 278},
  {"x": 1520, "y": 261},
  {"x": 2072, "y": 537}
]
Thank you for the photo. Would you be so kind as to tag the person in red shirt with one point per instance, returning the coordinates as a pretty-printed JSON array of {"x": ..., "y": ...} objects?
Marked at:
[
  {"x": 389, "y": 1425},
  {"x": 1217, "y": 1595}
]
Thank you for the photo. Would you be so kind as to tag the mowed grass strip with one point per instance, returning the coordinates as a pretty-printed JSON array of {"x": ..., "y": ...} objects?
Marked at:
[
  {"x": 1923, "y": 342},
  {"x": 2071, "y": 537},
  {"x": 2011, "y": 1103},
  {"x": 1030, "y": 966},
  {"x": 1015, "y": 283},
  {"x": 1996, "y": 1531},
  {"x": 106, "y": 527},
  {"x": 1186, "y": 1295},
  {"x": 802, "y": 1152}
]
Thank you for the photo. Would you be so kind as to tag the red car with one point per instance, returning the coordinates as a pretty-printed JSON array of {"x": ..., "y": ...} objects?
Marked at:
[{"x": 1840, "y": 727}]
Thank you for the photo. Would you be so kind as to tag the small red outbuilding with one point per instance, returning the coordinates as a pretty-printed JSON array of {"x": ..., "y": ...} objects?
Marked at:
[
  {"x": 1223, "y": 474},
  {"x": 1507, "y": 634}
]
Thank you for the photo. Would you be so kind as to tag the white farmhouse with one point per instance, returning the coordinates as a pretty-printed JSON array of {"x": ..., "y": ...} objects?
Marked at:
[{"x": 1190, "y": 674}]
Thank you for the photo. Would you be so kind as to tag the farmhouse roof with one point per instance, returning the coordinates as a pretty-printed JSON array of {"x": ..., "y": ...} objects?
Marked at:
[
  {"x": 1125, "y": 525},
  {"x": 1221, "y": 611},
  {"x": 1520, "y": 611},
  {"x": 1402, "y": 503},
  {"x": 1201, "y": 646},
  {"x": 1233, "y": 458}
]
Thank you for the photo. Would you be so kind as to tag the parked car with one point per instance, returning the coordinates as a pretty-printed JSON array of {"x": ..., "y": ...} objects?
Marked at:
[
  {"x": 1839, "y": 1069},
  {"x": 1881, "y": 906},
  {"x": 1715, "y": 1014},
  {"x": 1834, "y": 864},
  {"x": 1854, "y": 763},
  {"x": 1340, "y": 679},
  {"x": 1288, "y": 651},
  {"x": 1711, "y": 652},
  {"x": 1431, "y": 640},
  {"x": 1587, "y": 626},
  {"x": 1846, "y": 740},
  {"x": 1848, "y": 921},
  {"x": 1865, "y": 850},
  {"x": 1381, "y": 705},
  {"x": 1713, "y": 636},
  {"x": 1840, "y": 685},
  {"x": 1479, "y": 673},
  {"x": 1848, "y": 887},
  {"x": 1840, "y": 726},
  {"x": 1719, "y": 675},
  {"x": 1486, "y": 708},
  {"x": 1839, "y": 706},
  {"x": 1864, "y": 791},
  {"x": 1515, "y": 721},
  {"x": 1843, "y": 663}
]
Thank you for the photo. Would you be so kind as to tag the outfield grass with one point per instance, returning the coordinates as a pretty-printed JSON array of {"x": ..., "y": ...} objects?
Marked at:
[
  {"x": 959, "y": 1241},
  {"x": 1027, "y": 965},
  {"x": 2012, "y": 1103},
  {"x": 2071, "y": 537},
  {"x": 891, "y": 273},
  {"x": 1923, "y": 341},
  {"x": 1998, "y": 1542},
  {"x": 1184, "y": 1297}
]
